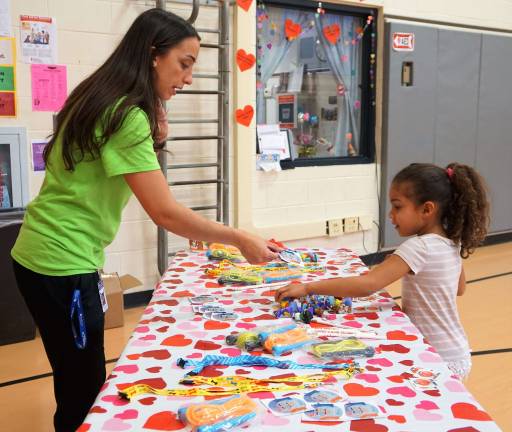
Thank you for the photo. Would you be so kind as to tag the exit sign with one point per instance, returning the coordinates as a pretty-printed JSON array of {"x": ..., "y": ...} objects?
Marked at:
[{"x": 403, "y": 41}]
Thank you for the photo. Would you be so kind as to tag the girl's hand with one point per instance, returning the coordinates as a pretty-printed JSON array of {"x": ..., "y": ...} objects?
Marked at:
[
  {"x": 293, "y": 290},
  {"x": 255, "y": 249}
]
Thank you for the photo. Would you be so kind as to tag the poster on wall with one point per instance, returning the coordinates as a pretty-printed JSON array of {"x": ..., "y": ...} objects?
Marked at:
[
  {"x": 7, "y": 77},
  {"x": 38, "y": 146},
  {"x": 287, "y": 107},
  {"x": 5, "y": 18},
  {"x": 49, "y": 87},
  {"x": 38, "y": 39}
]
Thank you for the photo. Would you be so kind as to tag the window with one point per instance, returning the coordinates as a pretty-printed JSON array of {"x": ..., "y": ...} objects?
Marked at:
[{"x": 316, "y": 79}]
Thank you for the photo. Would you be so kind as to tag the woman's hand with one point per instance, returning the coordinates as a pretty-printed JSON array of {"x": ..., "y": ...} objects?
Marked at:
[
  {"x": 255, "y": 249},
  {"x": 293, "y": 290}
]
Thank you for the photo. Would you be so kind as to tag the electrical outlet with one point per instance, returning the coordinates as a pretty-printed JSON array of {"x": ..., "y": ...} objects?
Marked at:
[
  {"x": 351, "y": 224},
  {"x": 334, "y": 227}
]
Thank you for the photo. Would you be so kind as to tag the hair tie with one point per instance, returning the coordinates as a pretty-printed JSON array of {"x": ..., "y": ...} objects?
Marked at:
[{"x": 449, "y": 172}]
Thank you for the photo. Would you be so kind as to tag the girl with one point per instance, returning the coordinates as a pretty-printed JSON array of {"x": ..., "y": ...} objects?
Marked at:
[
  {"x": 447, "y": 212},
  {"x": 103, "y": 149}
]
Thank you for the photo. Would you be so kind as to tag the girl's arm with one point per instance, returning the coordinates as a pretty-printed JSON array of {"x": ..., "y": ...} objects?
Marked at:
[
  {"x": 392, "y": 269},
  {"x": 152, "y": 191},
  {"x": 462, "y": 283}
]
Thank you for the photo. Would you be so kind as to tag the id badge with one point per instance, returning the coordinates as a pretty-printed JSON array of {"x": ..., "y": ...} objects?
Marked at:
[{"x": 103, "y": 297}]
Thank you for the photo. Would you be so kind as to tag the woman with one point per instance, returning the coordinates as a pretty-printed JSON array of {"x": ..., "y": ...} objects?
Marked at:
[{"x": 102, "y": 151}]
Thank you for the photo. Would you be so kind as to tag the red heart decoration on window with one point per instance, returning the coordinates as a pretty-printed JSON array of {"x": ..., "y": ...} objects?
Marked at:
[
  {"x": 244, "y": 116},
  {"x": 332, "y": 33},
  {"x": 292, "y": 29},
  {"x": 244, "y": 60},
  {"x": 244, "y": 4}
]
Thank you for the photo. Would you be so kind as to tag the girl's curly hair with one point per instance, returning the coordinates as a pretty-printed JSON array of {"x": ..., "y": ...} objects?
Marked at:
[{"x": 461, "y": 194}]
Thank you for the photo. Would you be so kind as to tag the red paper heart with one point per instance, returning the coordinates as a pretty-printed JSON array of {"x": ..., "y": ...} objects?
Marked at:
[
  {"x": 434, "y": 393},
  {"x": 164, "y": 421},
  {"x": 167, "y": 302},
  {"x": 157, "y": 354},
  {"x": 467, "y": 411},
  {"x": 462, "y": 429},
  {"x": 397, "y": 418},
  {"x": 97, "y": 409},
  {"x": 173, "y": 281},
  {"x": 244, "y": 116},
  {"x": 147, "y": 400},
  {"x": 244, "y": 60},
  {"x": 216, "y": 325},
  {"x": 332, "y": 33},
  {"x": 182, "y": 294},
  {"x": 292, "y": 29},
  {"x": 244, "y": 4},
  {"x": 400, "y": 335},
  {"x": 366, "y": 425},
  {"x": 133, "y": 356},
  {"x": 154, "y": 369},
  {"x": 84, "y": 427},
  {"x": 162, "y": 329},
  {"x": 406, "y": 362},
  {"x": 394, "y": 402},
  {"x": 396, "y": 379},
  {"x": 394, "y": 347},
  {"x": 212, "y": 371},
  {"x": 206, "y": 345},
  {"x": 372, "y": 368},
  {"x": 354, "y": 389},
  {"x": 176, "y": 340}
]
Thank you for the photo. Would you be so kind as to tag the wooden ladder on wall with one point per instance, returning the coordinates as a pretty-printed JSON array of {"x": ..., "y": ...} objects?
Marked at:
[{"x": 220, "y": 74}]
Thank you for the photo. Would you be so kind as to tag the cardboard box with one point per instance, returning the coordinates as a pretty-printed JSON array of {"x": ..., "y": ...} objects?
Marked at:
[{"x": 115, "y": 285}]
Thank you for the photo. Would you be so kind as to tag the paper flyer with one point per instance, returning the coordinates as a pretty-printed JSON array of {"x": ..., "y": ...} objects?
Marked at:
[
  {"x": 49, "y": 87},
  {"x": 38, "y": 39},
  {"x": 37, "y": 154},
  {"x": 5, "y": 18}
]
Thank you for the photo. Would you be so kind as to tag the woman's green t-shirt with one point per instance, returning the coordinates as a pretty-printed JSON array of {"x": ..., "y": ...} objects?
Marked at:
[{"x": 78, "y": 213}]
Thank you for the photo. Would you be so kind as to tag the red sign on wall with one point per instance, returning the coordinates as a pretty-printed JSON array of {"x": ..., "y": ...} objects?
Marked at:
[{"x": 403, "y": 41}]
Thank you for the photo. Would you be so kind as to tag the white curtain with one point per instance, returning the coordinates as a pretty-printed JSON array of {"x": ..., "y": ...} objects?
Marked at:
[
  {"x": 345, "y": 62},
  {"x": 272, "y": 57}
]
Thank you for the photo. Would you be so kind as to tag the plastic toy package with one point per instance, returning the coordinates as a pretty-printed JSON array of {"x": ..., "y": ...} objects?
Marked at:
[
  {"x": 224, "y": 414},
  {"x": 219, "y": 252},
  {"x": 341, "y": 349},
  {"x": 229, "y": 272},
  {"x": 277, "y": 340}
]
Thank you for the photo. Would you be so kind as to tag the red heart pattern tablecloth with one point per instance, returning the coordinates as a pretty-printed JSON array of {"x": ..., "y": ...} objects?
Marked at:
[{"x": 169, "y": 329}]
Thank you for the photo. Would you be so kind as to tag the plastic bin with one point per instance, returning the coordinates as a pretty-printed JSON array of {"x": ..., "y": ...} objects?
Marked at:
[{"x": 16, "y": 323}]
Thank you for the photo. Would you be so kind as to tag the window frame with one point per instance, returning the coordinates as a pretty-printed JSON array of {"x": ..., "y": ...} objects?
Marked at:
[{"x": 367, "y": 147}]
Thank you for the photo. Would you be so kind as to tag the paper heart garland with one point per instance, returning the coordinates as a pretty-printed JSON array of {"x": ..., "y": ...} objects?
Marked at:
[
  {"x": 244, "y": 116},
  {"x": 332, "y": 33},
  {"x": 244, "y": 60},
  {"x": 292, "y": 29},
  {"x": 244, "y": 4}
]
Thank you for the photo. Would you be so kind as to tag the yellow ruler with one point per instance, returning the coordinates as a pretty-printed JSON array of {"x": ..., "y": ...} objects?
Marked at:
[{"x": 230, "y": 385}]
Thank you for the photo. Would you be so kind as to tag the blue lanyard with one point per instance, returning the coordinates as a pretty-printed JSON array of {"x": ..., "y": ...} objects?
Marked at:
[
  {"x": 249, "y": 360},
  {"x": 76, "y": 306}
]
